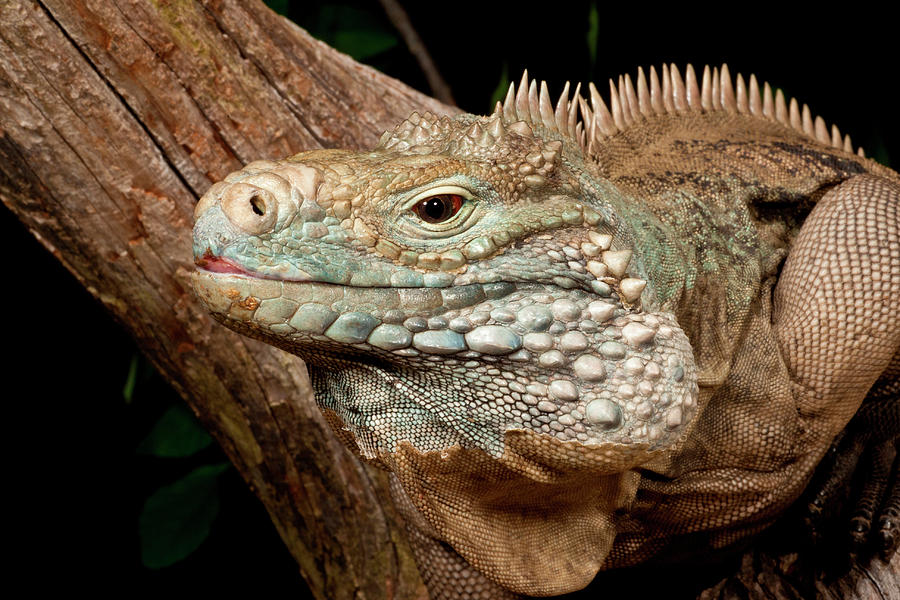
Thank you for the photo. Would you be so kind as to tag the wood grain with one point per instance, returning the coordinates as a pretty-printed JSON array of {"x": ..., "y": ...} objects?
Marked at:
[{"x": 114, "y": 118}]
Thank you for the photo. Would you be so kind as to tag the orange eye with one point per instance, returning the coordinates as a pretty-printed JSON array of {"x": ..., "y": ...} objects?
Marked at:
[{"x": 437, "y": 209}]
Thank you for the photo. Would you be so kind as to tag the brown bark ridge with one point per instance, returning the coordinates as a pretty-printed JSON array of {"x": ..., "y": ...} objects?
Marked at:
[{"x": 115, "y": 116}]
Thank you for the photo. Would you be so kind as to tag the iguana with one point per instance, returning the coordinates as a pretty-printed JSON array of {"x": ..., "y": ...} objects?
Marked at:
[{"x": 579, "y": 335}]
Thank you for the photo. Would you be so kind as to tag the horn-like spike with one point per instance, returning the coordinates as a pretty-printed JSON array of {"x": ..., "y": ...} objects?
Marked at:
[
  {"x": 587, "y": 116},
  {"x": 706, "y": 90},
  {"x": 643, "y": 94},
  {"x": 631, "y": 96},
  {"x": 601, "y": 114},
  {"x": 656, "y": 93},
  {"x": 623, "y": 102},
  {"x": 691, "y": 87},
  {"x": 809, "y": 127},
  {"x": 795, "y": 120},
  {"x": 534, "y": 107},
  {"x": 716, "y": 89},
  {"x": 521, "y": 128},
  {"x": 561, "y": 113},
  {"x": 498, "y": 110},
  {"x": 860, "y": 152},
  {"x": 679, "y": 93},
  {"x": 522, "y": 111},
  {"x": 740, "y": 95},
  {"x": 781, "y": 110},
  {"x": 615, "y": 107},
  {"x": 755, "y": 101},
  {"x": 667, "y": 90},
  {"x": 573, "y": 111},
  {"x": 822, "y": 131},
  {"x": 835, "y": 136},
  {"x": 496, "y": 127},
  {"x": 848, "y": 144},
  {"x": 768, "y": 101},
  {"x": 509, "y": 104},
  {"x": 475, "y": 131},
  {"x": 545, "y": 104},
  {"x": 728, "y": 101},
  {"x": 552, "y": 148}
]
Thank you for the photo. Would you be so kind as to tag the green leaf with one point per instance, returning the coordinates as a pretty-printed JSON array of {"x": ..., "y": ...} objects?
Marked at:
[
  {"x": 353, "y": 30},
  {"x": 176, "y": 518},
  {"x": 880, "y": 152},
  {"x": 593, "y": 34},
  {"x": 140, "y": 371},
  {"x": 502, "y": 87},
  {"x": 279, "y": 6},
  {"x": 175, "y": 435},
  {"x": 130, "y": 380},
  {"x": 363, "y": 44}
]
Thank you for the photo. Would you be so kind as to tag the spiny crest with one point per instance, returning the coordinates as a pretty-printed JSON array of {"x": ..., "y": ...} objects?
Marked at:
[
  {"x": 533, "y": 105},
  {"x": 467, "y": 134},
  {"x": 416, "y": 133},
  {"x": 650, "y": 96}
]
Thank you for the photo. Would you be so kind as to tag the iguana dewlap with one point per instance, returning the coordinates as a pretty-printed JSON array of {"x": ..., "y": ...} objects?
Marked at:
[{"x": 576, "y": 334}]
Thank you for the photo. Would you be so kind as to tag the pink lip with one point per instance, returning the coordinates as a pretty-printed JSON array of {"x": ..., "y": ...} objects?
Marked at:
[{"x": 217, "y": 264}]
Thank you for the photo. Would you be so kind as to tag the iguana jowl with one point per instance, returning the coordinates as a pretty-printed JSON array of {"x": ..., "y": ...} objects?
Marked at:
[{"x": 576, "y": 333}]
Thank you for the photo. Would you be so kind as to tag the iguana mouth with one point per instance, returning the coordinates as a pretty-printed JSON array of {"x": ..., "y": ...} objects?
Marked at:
[
  {"x": 216, "y": 264},
  {"x": 589, "y": 344}
]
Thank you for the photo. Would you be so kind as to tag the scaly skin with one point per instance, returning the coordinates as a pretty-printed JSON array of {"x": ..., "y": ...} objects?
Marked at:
[{"x": 598, "y": 348}]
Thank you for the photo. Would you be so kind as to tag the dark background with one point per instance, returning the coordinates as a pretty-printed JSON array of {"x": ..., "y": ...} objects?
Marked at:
[{"x": 77, "y": 483}]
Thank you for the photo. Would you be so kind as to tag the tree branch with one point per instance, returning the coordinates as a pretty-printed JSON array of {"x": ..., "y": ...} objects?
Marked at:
[
  {"x": 115, "y": 117},
  {"x": 401, "y": 22}
]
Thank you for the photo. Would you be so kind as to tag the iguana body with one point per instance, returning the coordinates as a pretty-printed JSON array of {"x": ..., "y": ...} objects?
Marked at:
[{"x": 577, "y": 340}]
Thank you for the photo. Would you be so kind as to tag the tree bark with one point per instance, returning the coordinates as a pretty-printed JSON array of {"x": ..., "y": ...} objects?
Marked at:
[{"x": 115, "y": 116}]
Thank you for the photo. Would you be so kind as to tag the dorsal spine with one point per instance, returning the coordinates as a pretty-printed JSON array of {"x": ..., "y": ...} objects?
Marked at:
[{"x": 654, "y": 95}]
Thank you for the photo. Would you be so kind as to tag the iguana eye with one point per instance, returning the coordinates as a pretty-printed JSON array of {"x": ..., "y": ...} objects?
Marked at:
[
  {"x": 438, "y": 208},
  {"x": 441, "y": 210}
]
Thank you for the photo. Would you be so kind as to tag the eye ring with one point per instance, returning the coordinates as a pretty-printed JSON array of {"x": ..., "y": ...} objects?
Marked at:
[
  {"x": 434, "y": 212},
  {"x": 441, "y": 207},
  {"x": 438, "y": 208}
]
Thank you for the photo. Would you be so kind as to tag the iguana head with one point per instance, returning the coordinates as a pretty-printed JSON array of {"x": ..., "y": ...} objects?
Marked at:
[{"x": 465, "y": 278}]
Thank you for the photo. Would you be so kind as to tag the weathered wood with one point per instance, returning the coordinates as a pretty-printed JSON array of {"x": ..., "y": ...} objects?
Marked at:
[{"x": 114, "y": 117}]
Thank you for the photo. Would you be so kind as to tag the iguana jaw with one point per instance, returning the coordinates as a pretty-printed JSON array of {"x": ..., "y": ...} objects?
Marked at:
[{"x": 507, "y": 358}]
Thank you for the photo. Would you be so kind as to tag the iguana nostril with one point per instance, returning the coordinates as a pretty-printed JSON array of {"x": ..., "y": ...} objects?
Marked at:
[
  {"x": 258, "y": 205},
  {"x": 251, "y": 208}
]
